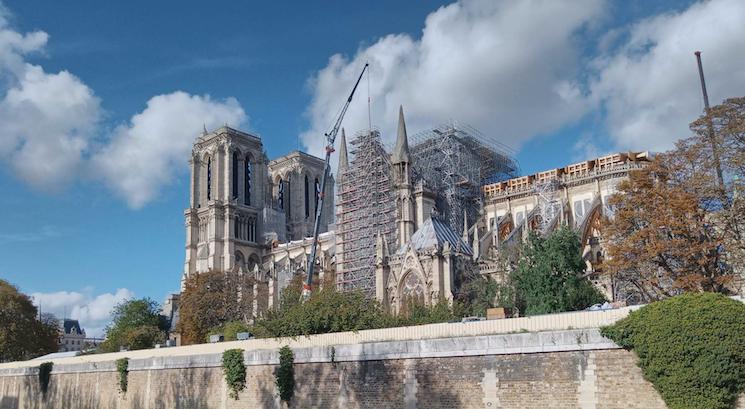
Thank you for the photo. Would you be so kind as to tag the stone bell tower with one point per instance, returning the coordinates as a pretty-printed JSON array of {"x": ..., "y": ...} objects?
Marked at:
[{"x": 227, "y": 197}]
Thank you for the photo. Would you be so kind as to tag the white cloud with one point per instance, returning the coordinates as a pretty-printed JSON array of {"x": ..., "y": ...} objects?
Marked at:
[
  {"x": 92, "y": 310},
  {"x": 507, "y": 68},
  {"x": 649, "y": 84},
  {"x": 145, "y": 154},
  {"x": 47, "y": 119}
]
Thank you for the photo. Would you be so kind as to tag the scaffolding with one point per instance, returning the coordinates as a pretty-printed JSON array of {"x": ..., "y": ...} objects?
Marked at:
[
  {"x": 452, "y": 161},
  {"x": 455, "y": 161},
  {"x": 549, "y": 205},
  {"x": 366, "y": 207}
]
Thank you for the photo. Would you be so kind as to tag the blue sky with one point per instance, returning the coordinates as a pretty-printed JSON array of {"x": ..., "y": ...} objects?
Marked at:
[{"x": 94, "y": 94}]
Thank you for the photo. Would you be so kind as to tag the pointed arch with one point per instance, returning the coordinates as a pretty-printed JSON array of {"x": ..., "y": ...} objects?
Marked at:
[
  {"x": 591, "y": 225},
  {"x": 280, "y": 193},
  {"x": 234, "y": 174},
  {"x": 317, "y": 195},
  {"x": 307, "y": 197},
  {"x": 209, "y": 178},
  {"x": 247, "y": 168}
]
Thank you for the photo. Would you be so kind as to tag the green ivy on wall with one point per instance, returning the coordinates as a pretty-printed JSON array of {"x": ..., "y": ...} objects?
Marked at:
[
  {"x": 122, "y": 367},
  {"x": 45, "y": 372},
  {"x": 285, "y": 374},
  {"x": 234, "y": 370}
]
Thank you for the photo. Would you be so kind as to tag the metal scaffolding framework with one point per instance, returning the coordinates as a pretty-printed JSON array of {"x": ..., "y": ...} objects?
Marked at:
[
  {"x": 549, "y": 205},
  {"x": 455, "y": 161},
  {"x": 367, "y": 207},
  {"x": 451, "y": 161}
]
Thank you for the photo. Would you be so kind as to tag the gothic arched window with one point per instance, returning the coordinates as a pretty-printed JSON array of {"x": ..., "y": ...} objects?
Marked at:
[
  {"x": 318, "y": 194},
  {"x": 247, "y": 181},
  {"x": 281, "y": 194},
  {"x": 307, "y": 198},
  {"x": 209, "y": 178},
  {"x": 235, "y": 175}
]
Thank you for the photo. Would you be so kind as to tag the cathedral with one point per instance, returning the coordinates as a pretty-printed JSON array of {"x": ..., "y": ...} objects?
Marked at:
[{"x": 408, "y": 223}]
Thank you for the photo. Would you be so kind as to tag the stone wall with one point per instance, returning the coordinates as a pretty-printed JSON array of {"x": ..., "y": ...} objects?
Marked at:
[
  {"x": 574, "y": 368},
  {"x": 576, "y": 379}
]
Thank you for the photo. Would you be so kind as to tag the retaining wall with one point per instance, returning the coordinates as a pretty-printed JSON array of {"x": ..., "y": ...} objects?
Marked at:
[{"x": 492, "y": 364}]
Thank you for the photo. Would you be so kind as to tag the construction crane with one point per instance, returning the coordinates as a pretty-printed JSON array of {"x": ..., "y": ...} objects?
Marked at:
[{"x": 330, "y": 138}]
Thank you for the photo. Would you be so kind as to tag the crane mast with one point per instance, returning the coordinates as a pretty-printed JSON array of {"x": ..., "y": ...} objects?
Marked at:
[{"x": 330, "y": 138}]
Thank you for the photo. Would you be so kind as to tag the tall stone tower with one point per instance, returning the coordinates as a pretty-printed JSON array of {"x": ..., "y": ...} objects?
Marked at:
[
  {"x": 400, "y": 160},
  {"x": 228, "y": 192}
]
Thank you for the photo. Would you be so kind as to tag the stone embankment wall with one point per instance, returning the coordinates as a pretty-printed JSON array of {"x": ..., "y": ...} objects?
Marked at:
[{"x": 493, "y": 364}]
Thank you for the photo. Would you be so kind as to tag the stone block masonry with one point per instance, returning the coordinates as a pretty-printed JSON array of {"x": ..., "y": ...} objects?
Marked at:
[{"x": 574, "y": 368}]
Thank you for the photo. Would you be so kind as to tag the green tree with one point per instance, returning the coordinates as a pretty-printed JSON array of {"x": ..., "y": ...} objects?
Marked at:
[
  {"x": 136, "y": 324},
  {"x": 326, "y": 311},
  {"x": 230, "y": 330},
  {"x": 23, "y": 335},
  {"x": 478, "y": 293},
  {"x": 549, "y": 276}
]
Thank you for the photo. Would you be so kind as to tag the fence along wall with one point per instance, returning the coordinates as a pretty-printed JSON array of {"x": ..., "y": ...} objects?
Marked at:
[{"x": 475, "y": 366}]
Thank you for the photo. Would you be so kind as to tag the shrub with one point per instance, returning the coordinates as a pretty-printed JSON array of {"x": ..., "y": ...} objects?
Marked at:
[
  {"x": 122, "y": 367},
  {"x": 326, "y": 311},
  {"x": 45, "y": 372},
  {"x": 234, "y": 370},
  {"x": 691, "y": 347},
  {"x": 229, "y": 330},
  {"x": 285, "y": 374}
]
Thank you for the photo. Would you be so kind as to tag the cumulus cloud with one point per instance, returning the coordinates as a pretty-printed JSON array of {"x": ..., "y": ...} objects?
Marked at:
[
  {"x": 145, "y": 154},
  {"x": 47, "y": 119},
  {"x": 649, "y": 82},
  {"x": 92, "y": 310},
  {"x": 508, "y": 68}
]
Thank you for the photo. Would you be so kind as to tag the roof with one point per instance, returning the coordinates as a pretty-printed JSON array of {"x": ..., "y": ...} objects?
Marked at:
[
  {"x": 71, "y": 326},
  {"x": 434, "y": 233},
  {"x": 401, "y": 150},
  {"x": 55, "y": 355}
]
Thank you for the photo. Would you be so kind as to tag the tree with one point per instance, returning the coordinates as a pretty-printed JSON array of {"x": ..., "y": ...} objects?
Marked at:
[
  {"x": 212, "y": 299},
  {"x": 477, "y": 293},
  {"x": 674, "y": 227},
  {"x": 326, "y": 311},
  {"x": 23, "y": 336},
  {"x": 136, "y": 324},
  {"x": 723, "y": 127},
  {"x": 549, "y": 276}
]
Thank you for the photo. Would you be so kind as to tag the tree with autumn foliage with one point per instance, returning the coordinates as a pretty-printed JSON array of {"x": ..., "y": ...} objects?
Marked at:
[
  {"x": 212, "y": 299},
  {"x": 676, "y": 225}
]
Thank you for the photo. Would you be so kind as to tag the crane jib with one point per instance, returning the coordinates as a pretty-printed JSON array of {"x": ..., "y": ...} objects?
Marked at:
[{"x": 330, "y": 138}]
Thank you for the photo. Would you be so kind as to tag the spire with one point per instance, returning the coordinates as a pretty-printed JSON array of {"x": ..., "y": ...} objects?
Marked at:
[
  {"x": 204, "y": 129},
  {"x": 343, "y": 161},
  {"x": 401, "y": 150},
  {"x": 476, "y": 247}
]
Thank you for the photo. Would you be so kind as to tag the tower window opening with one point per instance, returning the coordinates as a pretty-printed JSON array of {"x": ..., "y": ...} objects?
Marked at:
[
  {"x": 318, "y": 194},
  {"x": 247, "y": 182},
  {"x": 209, "y": 178},
  {"x": 307, "y": 198},
  {"x": 234, "y": 173},
  {"x": 281, "y": 194}
]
